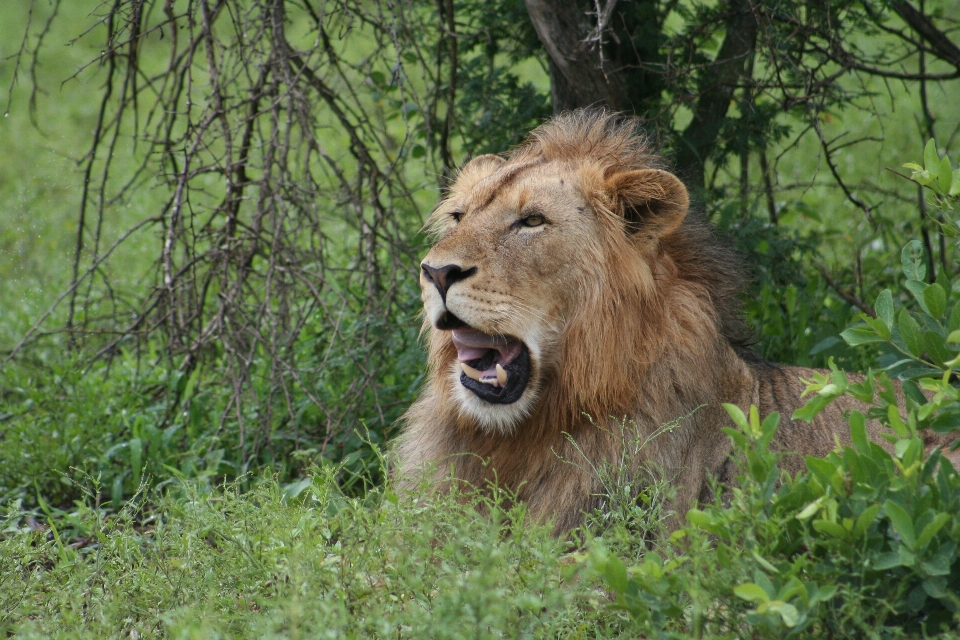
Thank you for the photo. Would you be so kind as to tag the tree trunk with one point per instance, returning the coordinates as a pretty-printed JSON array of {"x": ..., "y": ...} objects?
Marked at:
[
  {"x": 615, "y": 62},
  {"x": 716, "y": 93},
  {"x": 577, "y": 76}
]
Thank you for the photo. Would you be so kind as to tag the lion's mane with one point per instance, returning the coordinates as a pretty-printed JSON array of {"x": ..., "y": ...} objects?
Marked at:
[{"x": 656, "y": 340}]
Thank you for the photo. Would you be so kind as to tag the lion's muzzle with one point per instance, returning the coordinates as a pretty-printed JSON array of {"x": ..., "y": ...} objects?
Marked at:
[{"x": 444, "y": 277}]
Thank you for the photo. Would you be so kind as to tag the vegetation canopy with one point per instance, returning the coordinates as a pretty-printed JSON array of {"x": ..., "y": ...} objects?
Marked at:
[{"x": 209, "y": 245}]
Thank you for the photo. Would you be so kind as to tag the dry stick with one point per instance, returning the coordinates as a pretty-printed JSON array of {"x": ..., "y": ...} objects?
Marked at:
[
  {"x": 836, "y": 175},
  {"x": 446, "y": 12},
  {"x": 929, "y": 122},
  {"x": 75, "y": 284},
  {"x": 768, "y": 186},
  {"x": 116, "y": 124},
  {"x": 88, "y": 170},
  {"x": 942, "y": 46},
  {"x": 17, "y": 56},
  {"x": 846, "y": 295}
]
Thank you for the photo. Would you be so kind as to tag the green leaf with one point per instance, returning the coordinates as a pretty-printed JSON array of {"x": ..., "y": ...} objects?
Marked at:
[
  {"x": 865, "y": 519},
  {"x": 936, "y": 300},
  {"x": 931, "y": 159},
  {"x": 884, "y": 307},
  {"x": 878, "y": 325},
  {"x": 615, "y": 574},
  {"x": 751, "y": 592},
  {"x": 932, "y": 528},
  {"x": 418, "y": 151},
  {"x": 736, "y": 414},
  {"x": 699, "y": 518},
  {"x": 116, "y": 493},
  {"x": 136, "y": 460},
  {"x": 823, "y": 594},
  {"x": 936, "y": 347},
  {"x": 916, "y": 288},
  {"x": 861, "y": 335},
  {"x": 910, "y": 332},
  {"x": 824, "y": 344},
  {"x": 923, "y": 177},
  {"x": 954, "y": 322},
  {"x": 811, "y": 509},
  {"x": 763, "y": 562},
  {"x": 902, "y": 522},
  {"x": 831, "y": 528},
  {"x": 823, "y": 468},
  {"x": 938, "y": 565},
  {"x": 808, "y": 412},
  {"x": 887, "y": 560},
  {"x": 915, "y": 373},
  {"x": 896, "y": 422},
  {"x": 912, "y": 391},
  {"x": 955, "y": 183},
  {"x": 935, "y": 587},
  {"x": 788, "y": 613},
  {"x": 911, "y": 257},
  {"x": 945, "y": 175},
  {"x": 858, "y": 432}
]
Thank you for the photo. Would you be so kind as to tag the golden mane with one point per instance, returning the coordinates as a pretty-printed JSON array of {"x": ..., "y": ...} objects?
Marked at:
[
  {"x": 656, "y": 330},
  {"x": 676, "y": 305}
]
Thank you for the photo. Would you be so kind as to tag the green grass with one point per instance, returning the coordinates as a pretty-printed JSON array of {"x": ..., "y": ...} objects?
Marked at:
[
  {"x": 128, "y": 516},
  {"x": 262, "y": 564}
]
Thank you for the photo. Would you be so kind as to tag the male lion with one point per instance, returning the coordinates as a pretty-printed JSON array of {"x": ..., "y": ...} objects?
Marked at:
[{"x": 569, "y": 284}]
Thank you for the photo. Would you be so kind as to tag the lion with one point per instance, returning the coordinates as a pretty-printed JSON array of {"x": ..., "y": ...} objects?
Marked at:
[{"x": 569, "y": 284}]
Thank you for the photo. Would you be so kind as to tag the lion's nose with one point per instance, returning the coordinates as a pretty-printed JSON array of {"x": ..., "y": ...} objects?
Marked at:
[{"x": 444, "y": 277}]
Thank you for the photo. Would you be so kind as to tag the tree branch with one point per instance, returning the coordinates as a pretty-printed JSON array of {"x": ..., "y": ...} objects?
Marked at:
[
  {"x": 721, "y": 81},
  {"x": 940, "y": 44},
  {"x": 577, "y": 79}
]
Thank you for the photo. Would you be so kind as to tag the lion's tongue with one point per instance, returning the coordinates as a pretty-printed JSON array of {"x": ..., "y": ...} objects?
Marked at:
[{"x": 473, "y": 345}]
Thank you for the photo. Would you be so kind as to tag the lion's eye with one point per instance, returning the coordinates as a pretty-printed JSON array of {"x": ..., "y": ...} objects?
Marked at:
[
  {"x": 533, "y": 220},
  {"x": 456, "y": 215}
]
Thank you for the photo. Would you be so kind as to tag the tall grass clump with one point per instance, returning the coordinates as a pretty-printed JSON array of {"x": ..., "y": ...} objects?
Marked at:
[{"x": 302, "y": 560}]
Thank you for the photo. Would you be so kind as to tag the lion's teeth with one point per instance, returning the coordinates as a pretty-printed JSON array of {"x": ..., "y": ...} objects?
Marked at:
[
  {"x": 470, "y": 372},
  {"x": 477, "y": 375}
]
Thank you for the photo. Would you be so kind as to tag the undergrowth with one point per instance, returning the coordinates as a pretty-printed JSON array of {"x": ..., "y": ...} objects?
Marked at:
[
  {"x": 130, "y": 510},
  {"x": 303, "y": 560}
]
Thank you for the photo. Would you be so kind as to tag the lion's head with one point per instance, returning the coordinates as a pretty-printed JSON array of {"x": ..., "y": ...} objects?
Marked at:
[
  {"x": 548, "y": 285},
  {"x": 569, "y": 284}
]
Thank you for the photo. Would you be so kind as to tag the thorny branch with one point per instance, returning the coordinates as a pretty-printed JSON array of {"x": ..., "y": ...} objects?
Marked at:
[{"x": 288, "y": 215}]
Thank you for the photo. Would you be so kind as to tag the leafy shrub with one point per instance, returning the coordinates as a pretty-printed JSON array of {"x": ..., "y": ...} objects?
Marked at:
[{"x": 866, "y": 542}]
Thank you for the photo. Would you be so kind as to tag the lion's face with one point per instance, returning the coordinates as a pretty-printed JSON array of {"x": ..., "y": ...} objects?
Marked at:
[{"x": 522, "y": 246}]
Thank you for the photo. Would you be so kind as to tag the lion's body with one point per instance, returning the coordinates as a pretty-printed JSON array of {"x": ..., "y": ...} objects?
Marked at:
[{"x": 575, "y": 265}]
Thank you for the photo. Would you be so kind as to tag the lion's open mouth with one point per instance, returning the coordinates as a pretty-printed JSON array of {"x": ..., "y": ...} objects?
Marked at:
[{"x": 495, "y": 368}]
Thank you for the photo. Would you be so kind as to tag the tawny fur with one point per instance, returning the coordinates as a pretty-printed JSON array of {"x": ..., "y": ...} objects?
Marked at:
[{"x": 628, "y": 303}]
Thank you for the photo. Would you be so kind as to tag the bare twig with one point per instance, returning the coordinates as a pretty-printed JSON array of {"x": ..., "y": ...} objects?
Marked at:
[{"x": 848, "y": 297}]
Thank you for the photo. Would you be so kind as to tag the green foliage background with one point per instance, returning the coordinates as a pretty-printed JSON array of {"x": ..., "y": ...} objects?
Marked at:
[{"x": 117, "y": 518}]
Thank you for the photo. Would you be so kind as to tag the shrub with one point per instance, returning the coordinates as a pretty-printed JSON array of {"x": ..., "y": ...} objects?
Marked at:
[{"x": 865, "y": 543}]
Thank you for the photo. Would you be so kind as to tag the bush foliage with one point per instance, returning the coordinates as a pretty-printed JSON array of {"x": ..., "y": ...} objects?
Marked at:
[
  {"x": 865, "y": 543},
  {"x": 222, "y": 473}
]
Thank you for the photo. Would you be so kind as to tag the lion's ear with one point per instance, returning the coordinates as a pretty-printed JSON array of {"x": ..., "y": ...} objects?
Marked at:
[{"x": 652, "y": 201}]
